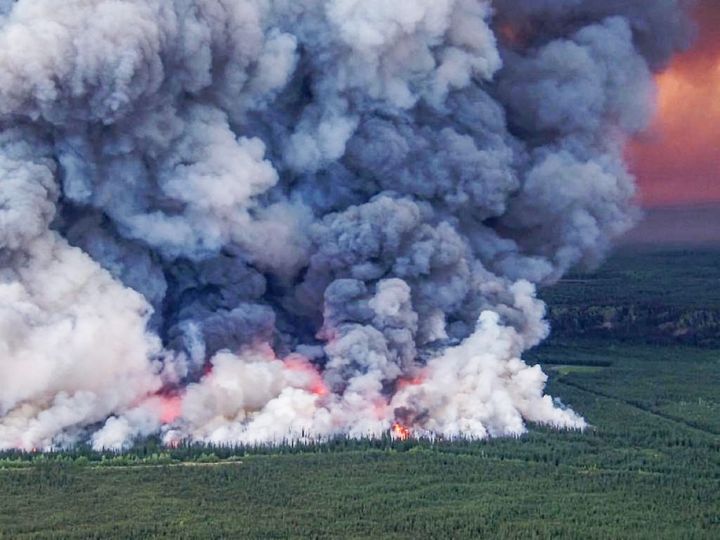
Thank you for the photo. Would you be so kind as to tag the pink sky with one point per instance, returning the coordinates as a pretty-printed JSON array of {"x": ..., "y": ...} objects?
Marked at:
[{"x": 678, "y": 160}]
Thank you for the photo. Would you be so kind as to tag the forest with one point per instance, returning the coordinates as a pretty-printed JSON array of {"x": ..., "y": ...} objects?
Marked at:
[
  {"x": 657, "y": 297},
  {"x": 647, "y": 467}
]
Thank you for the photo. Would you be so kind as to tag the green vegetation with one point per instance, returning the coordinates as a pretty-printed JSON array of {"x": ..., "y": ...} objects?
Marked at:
[
  {"x": 654, "y": 296},
  {"x": 649, "y": 467}
]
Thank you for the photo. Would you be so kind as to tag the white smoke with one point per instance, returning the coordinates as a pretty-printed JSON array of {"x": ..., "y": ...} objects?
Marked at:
[
  {"x": 74, "y": 345},
  {"x": 252, "y": 221}
]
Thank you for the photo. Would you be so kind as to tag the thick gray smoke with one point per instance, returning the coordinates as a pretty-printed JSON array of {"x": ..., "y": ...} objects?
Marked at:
[{"x": 251, "y": 220}]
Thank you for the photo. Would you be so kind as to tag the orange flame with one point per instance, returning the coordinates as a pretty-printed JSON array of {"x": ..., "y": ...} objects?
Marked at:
[
  {"x": 401, "y": 432},
  {"x": 313, "y": 380}
]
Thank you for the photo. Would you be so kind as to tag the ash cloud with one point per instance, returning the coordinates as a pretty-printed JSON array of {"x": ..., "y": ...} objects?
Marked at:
[{"x": 254, "y": 221}]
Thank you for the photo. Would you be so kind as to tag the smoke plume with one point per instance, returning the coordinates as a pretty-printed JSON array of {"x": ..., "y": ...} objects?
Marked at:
[{"x": 259, "y": 220}]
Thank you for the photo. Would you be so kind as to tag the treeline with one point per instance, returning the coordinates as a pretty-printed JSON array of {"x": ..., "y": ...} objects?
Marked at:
[
  {"x": 540, "y": 446},
  {"x": 652, "y": 324},
  {"x": 647, "y": 296},
  {"x": 152, "y": 451}
]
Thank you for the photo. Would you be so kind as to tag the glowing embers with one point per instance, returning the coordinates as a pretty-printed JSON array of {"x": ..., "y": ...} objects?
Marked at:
[{"x": 400, "y": 431}]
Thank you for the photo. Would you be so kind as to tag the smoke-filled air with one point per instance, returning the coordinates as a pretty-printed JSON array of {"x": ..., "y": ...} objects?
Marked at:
[
  {"x": 252, "y": 221},
  {"x": 676, "y": 160}
]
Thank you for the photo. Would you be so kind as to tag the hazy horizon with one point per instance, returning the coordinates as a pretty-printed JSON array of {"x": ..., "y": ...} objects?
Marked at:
[{"x": 692, "y": 225}]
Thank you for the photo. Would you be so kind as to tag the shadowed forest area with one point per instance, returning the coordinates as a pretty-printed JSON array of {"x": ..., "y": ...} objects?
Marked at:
[
  {"x": 634, "y": 350},
  {"x": 653, "y": 296}
]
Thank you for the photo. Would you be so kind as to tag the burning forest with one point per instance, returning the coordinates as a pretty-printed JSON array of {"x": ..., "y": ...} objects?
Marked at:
[{"x": 257, "y": 221}]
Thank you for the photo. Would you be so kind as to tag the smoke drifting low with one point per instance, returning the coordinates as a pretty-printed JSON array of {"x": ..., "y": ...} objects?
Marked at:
[{"x": 252, "y": 221}]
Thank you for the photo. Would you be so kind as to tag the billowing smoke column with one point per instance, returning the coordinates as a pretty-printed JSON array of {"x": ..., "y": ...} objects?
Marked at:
[{"x": 260, "y": 220}]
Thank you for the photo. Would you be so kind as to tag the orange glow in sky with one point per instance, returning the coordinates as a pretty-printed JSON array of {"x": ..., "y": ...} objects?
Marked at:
[{"x": 678, "y": 160}]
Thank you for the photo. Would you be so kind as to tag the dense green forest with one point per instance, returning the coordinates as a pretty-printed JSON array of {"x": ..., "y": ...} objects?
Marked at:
[
  {"x": 648, "y": 467},
  {"x": 651, "y": 296}
]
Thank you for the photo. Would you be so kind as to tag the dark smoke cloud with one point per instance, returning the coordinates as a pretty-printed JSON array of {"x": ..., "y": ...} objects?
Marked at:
[{"x": 244, "y": 221}]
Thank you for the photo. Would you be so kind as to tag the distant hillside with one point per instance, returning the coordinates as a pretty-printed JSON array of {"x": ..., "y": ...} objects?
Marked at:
[{"x": 651, "y": 294}]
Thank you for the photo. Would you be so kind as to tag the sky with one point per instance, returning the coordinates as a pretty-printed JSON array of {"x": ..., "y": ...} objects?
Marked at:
[{"x": 677, "y": 160}]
